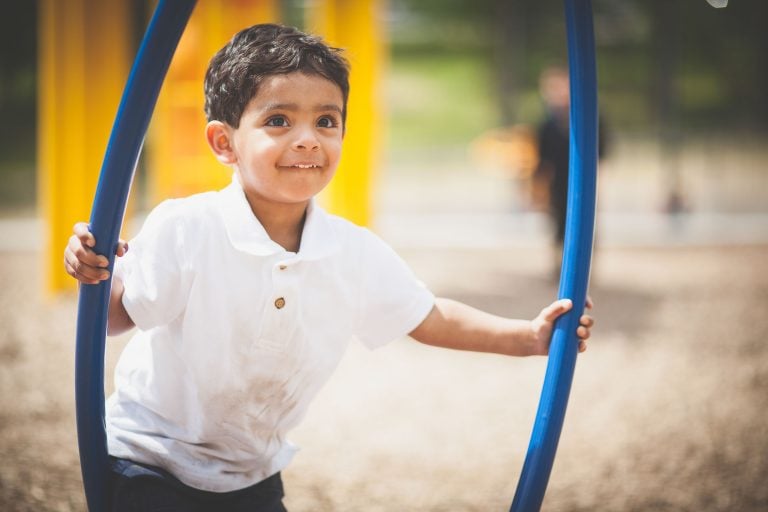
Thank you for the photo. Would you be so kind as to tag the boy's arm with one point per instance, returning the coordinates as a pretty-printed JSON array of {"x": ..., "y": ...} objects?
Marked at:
[
  {"x": 118, "y": 319},
  {"x": 90, "y": 268},
  {"x": 455, "y": 325}
]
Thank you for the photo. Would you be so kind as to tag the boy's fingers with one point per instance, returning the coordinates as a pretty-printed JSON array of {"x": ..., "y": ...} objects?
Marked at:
[
  {"x": 83, "y": 272},
  {"x": 122, "y": 248},
  {"x": 587, "y": 321},
  {"x": 84, "y": 254},
  {"x": 582, "y": 333},
  {"x": 84, "y": 234},
  {"x": 556, "y": 309},
  {"x": 589, "y": 303},
  {"x": 71, "y": 271},
  {"x": 582, "y": 346}
]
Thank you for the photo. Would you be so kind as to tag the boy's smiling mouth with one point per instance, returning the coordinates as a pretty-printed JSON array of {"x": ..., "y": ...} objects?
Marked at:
[{"x": 301, "y": 166}]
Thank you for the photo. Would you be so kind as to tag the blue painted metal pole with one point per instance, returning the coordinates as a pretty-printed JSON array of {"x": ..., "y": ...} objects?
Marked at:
[
  {"x": 577, "y": 255},
  {"x": 122, "y": 154}
]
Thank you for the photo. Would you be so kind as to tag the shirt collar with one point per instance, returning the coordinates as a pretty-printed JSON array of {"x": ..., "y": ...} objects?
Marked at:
[{"x": 246, "y": 233}]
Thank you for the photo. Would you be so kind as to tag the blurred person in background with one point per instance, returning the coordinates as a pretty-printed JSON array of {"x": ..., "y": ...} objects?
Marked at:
[{"x": 551, "y": 173}]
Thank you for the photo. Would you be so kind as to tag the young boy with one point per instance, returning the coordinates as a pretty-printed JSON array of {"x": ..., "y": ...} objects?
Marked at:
[{"x": 246, "y": 298}]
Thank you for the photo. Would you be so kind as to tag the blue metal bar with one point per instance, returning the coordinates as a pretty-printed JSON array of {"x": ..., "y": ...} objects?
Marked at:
[
  {"x": 122, "y": 154},
  {"x": 577, "y": 255}
]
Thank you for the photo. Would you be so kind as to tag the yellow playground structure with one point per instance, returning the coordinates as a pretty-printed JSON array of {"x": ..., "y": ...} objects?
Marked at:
[{"x": 84, "y": 58}]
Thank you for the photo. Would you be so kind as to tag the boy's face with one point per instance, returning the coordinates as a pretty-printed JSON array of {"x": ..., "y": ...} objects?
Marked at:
[{"x": 288, "y": 144}]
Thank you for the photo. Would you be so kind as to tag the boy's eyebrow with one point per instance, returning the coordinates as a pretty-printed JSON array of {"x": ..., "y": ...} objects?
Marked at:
[{"x": 294, "y": 106}]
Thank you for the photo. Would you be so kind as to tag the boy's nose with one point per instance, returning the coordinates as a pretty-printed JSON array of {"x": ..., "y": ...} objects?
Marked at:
[{"x": 307, "y": 140}]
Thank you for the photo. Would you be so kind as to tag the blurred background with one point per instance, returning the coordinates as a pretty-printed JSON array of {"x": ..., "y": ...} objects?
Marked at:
[
  {"x": 681, "y": 88},
  {"x": 667, "y": 411}
]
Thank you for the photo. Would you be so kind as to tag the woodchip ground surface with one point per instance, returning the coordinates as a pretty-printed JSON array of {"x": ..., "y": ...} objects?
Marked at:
[{"x": 667, "y": 411}]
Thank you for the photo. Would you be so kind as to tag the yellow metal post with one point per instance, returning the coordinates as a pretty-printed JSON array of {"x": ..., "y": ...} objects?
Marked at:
[
  {"x": 82, "y": 55},
  {"x": 180, "y": 162},
  {"x": 356, "y": 26}
]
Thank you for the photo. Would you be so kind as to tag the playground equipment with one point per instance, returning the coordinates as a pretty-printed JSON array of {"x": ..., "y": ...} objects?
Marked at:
[
  {"x": 179, "y": 162},
  {"x": 577, "y": 255},
  {"x": 82, "y": 66},
  {"x": 122, "y": 153}
]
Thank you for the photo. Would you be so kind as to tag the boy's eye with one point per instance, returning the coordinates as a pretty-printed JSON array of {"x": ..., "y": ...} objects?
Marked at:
[
  {"x": 277, "y": 121},
  {"x": 327, "y": 122}
]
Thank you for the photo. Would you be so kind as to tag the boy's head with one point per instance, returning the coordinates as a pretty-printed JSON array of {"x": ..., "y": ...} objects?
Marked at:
[{"x": 238, "y": 69}]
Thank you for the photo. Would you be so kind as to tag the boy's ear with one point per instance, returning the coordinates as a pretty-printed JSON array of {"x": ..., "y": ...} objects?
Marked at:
[{"x": 219, "y": 137}]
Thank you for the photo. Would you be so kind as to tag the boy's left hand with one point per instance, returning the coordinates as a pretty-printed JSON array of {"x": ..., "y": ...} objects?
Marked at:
[{"x": 543, "y": 325}]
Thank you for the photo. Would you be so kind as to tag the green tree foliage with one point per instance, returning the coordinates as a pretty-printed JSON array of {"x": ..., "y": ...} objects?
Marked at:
[{"x": 659, "y": 61}]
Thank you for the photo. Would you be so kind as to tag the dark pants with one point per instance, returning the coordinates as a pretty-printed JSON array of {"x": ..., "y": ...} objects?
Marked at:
[{"x": 142, "y": 488}]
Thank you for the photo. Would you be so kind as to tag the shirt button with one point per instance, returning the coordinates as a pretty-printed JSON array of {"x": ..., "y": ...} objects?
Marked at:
[
  {"x": 280, "y": 303},
  {"x": 283, "y": 267}
]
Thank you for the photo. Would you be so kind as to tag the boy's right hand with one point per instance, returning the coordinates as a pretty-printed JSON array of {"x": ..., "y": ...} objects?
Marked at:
[{"x": 81, "y": 262}]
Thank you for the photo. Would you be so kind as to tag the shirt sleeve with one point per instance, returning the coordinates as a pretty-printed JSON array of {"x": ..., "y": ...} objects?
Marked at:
[
  {"x": 155, "y": 270},
  {"x": 393, "y": 302}
]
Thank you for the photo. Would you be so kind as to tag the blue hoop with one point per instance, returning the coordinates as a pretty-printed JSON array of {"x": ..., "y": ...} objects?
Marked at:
[
  {"x": 138, "y": 102},
  {"x": 577, "y": 254},
  {"x": 122, "y": 153}
]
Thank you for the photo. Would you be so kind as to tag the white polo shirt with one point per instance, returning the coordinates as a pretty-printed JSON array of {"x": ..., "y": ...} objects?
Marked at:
[{"x": 236, "y": 335}]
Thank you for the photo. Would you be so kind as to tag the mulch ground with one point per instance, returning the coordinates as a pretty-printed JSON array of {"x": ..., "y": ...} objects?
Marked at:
[{"x": 667, "y": 411}]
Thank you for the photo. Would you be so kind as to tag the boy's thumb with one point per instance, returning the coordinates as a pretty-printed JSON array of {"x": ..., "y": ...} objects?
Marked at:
[{"x": 557, "y": 308}]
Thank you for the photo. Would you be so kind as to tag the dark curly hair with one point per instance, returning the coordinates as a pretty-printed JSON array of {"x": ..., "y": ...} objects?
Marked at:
[{"x": 253, "y": 54}]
